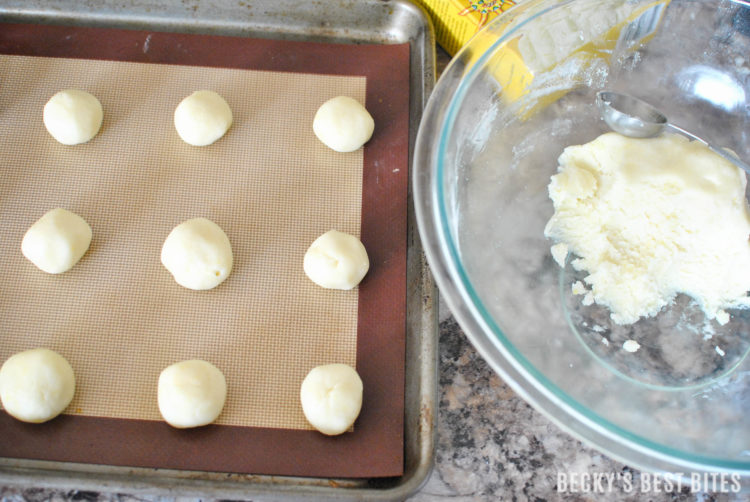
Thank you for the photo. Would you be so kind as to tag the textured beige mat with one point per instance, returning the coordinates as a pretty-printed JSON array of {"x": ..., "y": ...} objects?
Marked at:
[{"x": 118, "y": 316}]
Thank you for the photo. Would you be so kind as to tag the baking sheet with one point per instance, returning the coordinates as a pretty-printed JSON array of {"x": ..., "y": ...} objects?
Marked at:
[
  {"x": 369, "y": 22},
  {"x": 118, "y": 316}
]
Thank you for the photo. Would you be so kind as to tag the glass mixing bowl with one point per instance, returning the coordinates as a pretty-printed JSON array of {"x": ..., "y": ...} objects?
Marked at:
[{"x": 502, "y": 112}]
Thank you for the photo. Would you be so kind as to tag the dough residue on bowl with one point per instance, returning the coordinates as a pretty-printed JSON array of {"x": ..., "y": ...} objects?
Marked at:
[{"x": 648, "y": 219}]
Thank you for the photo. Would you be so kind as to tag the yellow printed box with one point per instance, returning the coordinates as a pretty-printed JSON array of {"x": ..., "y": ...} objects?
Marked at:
[{"x": 456, "y": 21}]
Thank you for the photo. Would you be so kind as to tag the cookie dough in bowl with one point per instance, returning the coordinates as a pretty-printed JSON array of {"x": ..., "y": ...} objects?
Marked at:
[
  {"x": 73, "y": 116},
  {"x": 36, "y": 385},
  {"x": 648, "y": 219},
  {"x": 198, "y": 254}
]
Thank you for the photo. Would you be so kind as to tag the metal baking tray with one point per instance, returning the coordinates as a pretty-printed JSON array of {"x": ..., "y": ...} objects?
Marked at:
[{"x": 361, "y": 21}]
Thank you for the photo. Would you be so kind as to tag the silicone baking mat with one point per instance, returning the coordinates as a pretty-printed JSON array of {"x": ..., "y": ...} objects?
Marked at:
[{"x": 119, "y": 317}]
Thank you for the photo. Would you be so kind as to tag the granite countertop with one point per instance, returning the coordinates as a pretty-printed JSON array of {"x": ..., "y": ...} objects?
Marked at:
[{"x": 491, "y": 445}]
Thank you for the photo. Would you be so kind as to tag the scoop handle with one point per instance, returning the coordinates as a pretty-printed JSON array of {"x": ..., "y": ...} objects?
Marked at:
[{"x": 726, "y": 154}]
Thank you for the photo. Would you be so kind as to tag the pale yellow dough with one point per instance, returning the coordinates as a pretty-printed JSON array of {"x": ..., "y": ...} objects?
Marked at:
[
  {"x": 343, "y": 124},
  {"x": 36, "y": 385},
  {"x": 198, "y": 254},
  {"x": 73, "y": 116},
  {"x": 331, "y": 397},
  {"x": 57, "y": 241},
  {"x": 336, "y": 260},
  {"x": 191, "y": 393},
  {"x": 650, "y": 218},
  {"x": 202, "y": 118}
]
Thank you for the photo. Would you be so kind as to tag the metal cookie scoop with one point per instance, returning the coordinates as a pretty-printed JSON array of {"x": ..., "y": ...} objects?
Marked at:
[{"x": 632, "y": 117}]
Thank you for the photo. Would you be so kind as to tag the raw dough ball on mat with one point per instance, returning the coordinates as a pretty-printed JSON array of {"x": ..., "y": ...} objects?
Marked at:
[
  {"x": 56, "y": 241},
  {"x": 191, "y": 393},
  {"x": 343, "y": 124},
  {"x": 336, "y": 260},
  {"x": 36, "y": 385},
  {"x": 202, "y": 118},
  {"x": 73, "y": 116},
  {"x": 198, "y": 254},
  {"x": 331, "y": 397}
]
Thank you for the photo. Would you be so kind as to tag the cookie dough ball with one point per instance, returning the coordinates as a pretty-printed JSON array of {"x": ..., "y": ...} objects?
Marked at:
[
  {"x": 331, "y": 397},
  {"x": 56, "y": 241},
  {"x": 73, "y": 116},
  {"x": 191, "y": 393},
  {"x": 343, "y": 124},
  {"x": 36, "y": 385},
  {"x": 202, "y": 118},
  {"x": 336, "y": 260},
  {"x": 198, "y": 254}
]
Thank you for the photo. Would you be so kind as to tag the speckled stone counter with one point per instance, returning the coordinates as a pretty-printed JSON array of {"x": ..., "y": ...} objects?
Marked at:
[{"x": 493, "y": 446}]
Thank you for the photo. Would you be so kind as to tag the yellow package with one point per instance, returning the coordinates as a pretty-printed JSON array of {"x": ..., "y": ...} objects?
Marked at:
[{"x": 456, "y": 21}]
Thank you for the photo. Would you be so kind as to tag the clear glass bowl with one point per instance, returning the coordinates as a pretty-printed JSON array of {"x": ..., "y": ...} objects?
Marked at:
[{"x": 502, "y": 112}]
